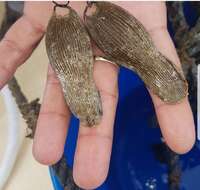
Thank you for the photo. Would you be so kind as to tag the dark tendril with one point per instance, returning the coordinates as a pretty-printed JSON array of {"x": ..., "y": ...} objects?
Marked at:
[
  {"x": 65, "y": 5},
  {"x": 89, "y": 4}
]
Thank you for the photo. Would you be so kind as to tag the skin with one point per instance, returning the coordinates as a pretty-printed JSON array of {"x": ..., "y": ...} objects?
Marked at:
[{"x": 93, "y": 149}]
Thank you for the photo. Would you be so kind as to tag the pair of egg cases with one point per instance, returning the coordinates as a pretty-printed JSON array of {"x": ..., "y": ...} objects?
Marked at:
[{"x": 123, "y": 40}]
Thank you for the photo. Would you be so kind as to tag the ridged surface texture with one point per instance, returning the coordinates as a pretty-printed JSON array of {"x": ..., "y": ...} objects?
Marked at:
[
  {"x": 124, "y": 40},
  {"x": 70, "y": 54}
]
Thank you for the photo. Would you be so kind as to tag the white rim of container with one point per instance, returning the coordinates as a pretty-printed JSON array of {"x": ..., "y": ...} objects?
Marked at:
[{"x": 14, "y": 139}]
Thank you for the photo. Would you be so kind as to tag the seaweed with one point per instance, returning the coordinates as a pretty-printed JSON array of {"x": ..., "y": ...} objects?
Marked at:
[{"x": 64, "y": 174}]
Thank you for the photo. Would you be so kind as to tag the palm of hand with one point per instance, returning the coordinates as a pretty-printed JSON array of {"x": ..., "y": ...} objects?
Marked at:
[{"x": 94, "y": 145}]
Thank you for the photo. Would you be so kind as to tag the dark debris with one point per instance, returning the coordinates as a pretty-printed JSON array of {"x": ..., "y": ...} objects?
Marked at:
[{"x": 64, "y": 173}]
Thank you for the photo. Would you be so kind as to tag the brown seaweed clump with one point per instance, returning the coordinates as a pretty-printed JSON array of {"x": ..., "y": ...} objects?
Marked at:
[
  {"x": 70, "y": 54},
  {"x": 125, "y": 41}
]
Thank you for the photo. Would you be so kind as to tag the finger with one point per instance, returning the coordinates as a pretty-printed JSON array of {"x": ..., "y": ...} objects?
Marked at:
[
  {"x": 176, "y": 121},
  {"x": 93, "y": 150},
  {"x": 17, "y": 45},
  {"x": 52, "y": 123}
]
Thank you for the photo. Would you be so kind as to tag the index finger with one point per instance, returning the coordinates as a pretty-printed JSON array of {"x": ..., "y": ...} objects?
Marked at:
[{"x": 18, "y": 44}]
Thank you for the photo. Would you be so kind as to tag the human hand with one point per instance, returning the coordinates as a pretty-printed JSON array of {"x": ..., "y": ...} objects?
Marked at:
[{"x": 94, "y": 144}]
